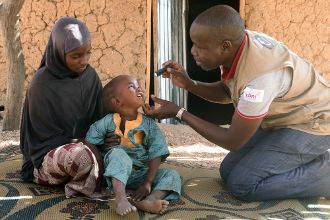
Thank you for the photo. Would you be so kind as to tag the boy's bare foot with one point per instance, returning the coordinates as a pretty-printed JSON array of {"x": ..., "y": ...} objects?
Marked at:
[
  {"x": 124, "y": 207},
  {"x": 153, "y": 206}
]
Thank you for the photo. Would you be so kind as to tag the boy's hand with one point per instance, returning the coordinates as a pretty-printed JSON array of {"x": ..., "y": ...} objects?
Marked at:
[{"x": 142, "y": 192}]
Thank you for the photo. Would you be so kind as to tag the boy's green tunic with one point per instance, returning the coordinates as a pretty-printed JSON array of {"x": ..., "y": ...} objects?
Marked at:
[{"x": 141, "y": 142}]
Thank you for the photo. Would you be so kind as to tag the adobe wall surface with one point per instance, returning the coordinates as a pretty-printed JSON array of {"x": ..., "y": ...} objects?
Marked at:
[
  {"x": 118, "y": 31},
  {"x": 303, "y": 25}
]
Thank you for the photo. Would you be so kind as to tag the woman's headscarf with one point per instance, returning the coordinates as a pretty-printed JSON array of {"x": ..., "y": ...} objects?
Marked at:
[
  {"x": 68, "y": 34},
  {"x": 59, "y": 104}
]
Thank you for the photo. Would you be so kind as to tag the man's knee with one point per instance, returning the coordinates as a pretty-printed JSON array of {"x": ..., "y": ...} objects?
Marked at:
[
  {"x": 240, "y": 189},
  {"x": 224, "y": 171}
]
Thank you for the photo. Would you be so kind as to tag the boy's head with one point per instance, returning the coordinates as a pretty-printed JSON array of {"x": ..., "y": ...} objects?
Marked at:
[{"x": 121, "y": 94}]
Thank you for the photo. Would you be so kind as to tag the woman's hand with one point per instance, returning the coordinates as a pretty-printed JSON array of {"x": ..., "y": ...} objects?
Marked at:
[
  {"x": 166, "y": 109},
  {"x": 142, "y": 192},
  {"x": 178, "y": 74},
  {"x": 110, "y": 140}
]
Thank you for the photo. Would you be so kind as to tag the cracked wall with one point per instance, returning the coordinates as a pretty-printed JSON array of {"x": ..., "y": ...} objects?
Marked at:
[
  {"x": 303, "y": 25},
  {"x": 118, "y": 31}
]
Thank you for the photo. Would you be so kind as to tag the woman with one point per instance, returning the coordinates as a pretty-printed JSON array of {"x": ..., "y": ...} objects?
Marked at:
[{"x": 62, "y": 101}]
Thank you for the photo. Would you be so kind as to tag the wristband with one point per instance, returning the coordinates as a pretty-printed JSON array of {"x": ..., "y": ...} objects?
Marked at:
[
  {"x": 195, "y": 82},
  {"x": 180, "y": 112}
]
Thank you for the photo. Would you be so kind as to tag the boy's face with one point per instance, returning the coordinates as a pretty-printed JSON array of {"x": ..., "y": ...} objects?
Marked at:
[{"x": 130, "y": 94}]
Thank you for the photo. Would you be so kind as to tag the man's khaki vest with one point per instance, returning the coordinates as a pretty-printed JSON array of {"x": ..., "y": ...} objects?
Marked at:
[{"x": 306, "y": 106}]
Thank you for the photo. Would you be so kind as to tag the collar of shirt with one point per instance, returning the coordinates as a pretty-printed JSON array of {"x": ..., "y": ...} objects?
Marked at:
[{"x": 227, "y": 74}]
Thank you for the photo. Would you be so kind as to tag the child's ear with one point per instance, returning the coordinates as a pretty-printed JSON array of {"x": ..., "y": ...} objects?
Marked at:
[{"x": 115, "y": 101}]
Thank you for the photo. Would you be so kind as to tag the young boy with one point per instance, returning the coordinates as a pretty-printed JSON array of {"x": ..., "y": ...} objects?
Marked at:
[{"x": 134, "y": 163}]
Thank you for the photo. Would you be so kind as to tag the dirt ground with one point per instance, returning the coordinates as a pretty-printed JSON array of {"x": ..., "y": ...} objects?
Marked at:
[{"x": 186, "y": 146}]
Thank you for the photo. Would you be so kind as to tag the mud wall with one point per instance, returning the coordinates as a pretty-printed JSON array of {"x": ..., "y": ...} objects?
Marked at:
[
  {"x": 303, "y": 25},
  {"x": 118, "y": 30}
]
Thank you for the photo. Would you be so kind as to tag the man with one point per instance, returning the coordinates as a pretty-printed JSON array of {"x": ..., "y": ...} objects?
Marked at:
[{"x": 279, "y": 138}]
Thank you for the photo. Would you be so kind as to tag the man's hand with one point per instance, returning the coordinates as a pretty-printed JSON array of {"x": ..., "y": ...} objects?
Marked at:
[
  {"x": 178, "y": 74},
  {"x": 166, "y": 109}
]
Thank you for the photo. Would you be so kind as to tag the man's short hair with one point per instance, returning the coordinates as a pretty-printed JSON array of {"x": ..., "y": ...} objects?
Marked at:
[{"x": 226, "y": 21}]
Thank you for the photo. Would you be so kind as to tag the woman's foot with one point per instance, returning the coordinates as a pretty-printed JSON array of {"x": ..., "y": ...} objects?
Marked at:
[
  {"x": 124, "y": 207},
  {"x": 153, "y": 206}
]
